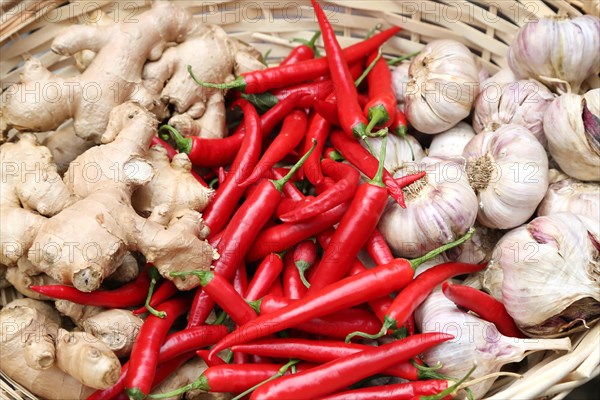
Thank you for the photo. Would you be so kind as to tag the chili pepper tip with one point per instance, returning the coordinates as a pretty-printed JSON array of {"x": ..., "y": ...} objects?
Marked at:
[{"x": 238, "y": 83}]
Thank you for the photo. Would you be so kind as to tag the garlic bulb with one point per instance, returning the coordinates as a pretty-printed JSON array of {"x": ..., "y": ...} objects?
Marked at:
[
  {"x": 440, "y": 208},
  {"x": 557, "y": 51},
  {"x": 550, "y": 273},
  {"x": 399, "y": 151},
  {"x": 499, "y": 79},
  {"x": 444, "y": 81},
  {"x": 476, "y": 341},
  {"x": 400, "y": 80},
  {"x": 571, "y": 195},
  {"x": 452, "y": 142},
  {"x": 478, "y": 249},
  {"x": 571, "y": 125},
  {"x": 508, "y": 169},
  {"x": 522, "y": 102}
]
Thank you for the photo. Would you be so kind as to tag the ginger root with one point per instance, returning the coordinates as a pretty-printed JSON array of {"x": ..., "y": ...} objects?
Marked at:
[
  {"x": 76, "y": 312},
  {"x": 173, "y": 184},
  {"x": 118, "y": 329},
  {"x": 22, "y": 322},
  {"x": 214, "y": 57},
  {"x": 65, "y": 146},
  {"x": 112, "y": 78},
  {"x": 22, "y": 282},
  {"x": 87, "y": 359},
  {"x": 94, "y": 234}
]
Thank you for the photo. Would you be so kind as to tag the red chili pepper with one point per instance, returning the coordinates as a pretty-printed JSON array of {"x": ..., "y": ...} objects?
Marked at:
[
  {"x": 344, "y": 371},
  {"x": 245, "y": 225},
  {"x": 365, "y": 162},
  {"x": 378, "y": 248},
  {"x": 399, "y": 391},
  {"x": 276, "y": 77},
  {"x": 327, "y": 108},
  {"x": 164, "y": 292},
  {"x": 381, "y": 109},
  {"x": 293, "y": 287},
  {"x": 352, "y": 120},
  {"x": 305, "y": 255},
  {"x": 268, "y": 271},
  {"x": 353, "y": 230},
  {"x": 292, "y": 132},
  {"x": 400, "y": 125},
  {"x": 306, "y": 51},
  {"x": 318, "y": 130},
  {"x": 281, "y": 237},
  {"x": 347, "y": 179},
  {"x": 414, "y": 294},
  {"x": 223, "y": 204},
  {"x": 230, "y": 378},
  {"x": 131, "y": 294},
  {"x": 201, "y": 307},
  {"x": 483, "y": 305},
  {"x": 144, "y": 355},
  {"x": 240, "y": 280},
  {"x": 322, "y": 351},
  {"x": 336, "y": 325},
  {"x": 223, "y": 293},
  {"x": 276, "y": 289},
  {"x": 203, "y": 354},
  {"x": 306, "y": 94}
]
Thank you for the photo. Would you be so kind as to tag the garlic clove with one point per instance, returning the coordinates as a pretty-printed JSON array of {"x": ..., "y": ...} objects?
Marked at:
[
  {"x": 499, "y": 79},
  {"x": 571, "y": 195},
  {"x": 440, "y": 207},
  {"x": 508, "y": 169},
  {"x": 452, "y": 142},
  {"x": 571, "y": 127},
  {"x": 550, "y": 273},
  {"x": 444, "y": 81},
  {"x": 522, "y": 102},
  {"x": 400, "y": 80},
  {"x": 559, "y": 52},
  {"x": 399, "y": 151}
]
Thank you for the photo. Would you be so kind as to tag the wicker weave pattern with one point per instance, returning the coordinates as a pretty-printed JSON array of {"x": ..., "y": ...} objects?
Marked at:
[{"x": 486, "y": 26}]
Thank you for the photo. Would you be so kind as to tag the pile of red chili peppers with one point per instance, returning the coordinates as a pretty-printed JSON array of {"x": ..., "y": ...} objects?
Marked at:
[{"x": 288, "y": 280}]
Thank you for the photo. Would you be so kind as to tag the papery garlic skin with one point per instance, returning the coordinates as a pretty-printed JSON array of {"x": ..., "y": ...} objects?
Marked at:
[
  {"x": 476, "y": 250},
  {"x": 550, "y": 273},
  {"x": 400, "y": 80},
  {"x": 452, "y": 142},
  {"x": 571, "y": 195},
  {"x": 522, "y": 102},
  {"x": 569, "y": 143},
  {"x": 444, "y": 81},
  {"x": 399, "y": 151},
  {"x": 508, "y": 168},
  {"x": 476, "y": 341},
  {"x": 440, "y": 208},
  {"x": 499, "y": 79},
  {"x": 558, "y": 52}
]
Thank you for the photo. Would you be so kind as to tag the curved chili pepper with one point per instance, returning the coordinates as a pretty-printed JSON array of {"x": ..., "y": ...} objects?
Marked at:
[
  {"x": 378, "y": 248},
  {"x": 484, "y": 305},
  {"x": 292, "y": 132},
  {"x": 230, "y": 378},
  {"x": 281, "y": 237},
  {"x": 223, "y": 204},
  {"x": 144, "y": 355},
  {"x": 344, "y": 371},
  {"x": 381, "y": 109},
  {"x": 353, "y": 230},
  {"x": 352, "y": 120},
  {"x": 400, "y": 125},
  {"x": 336, "y": 325},
  {"x": 201, "y": 307},
  {"x": 358, "y": 156},
  {"x": 268, "y": 271},
  {"x": 164, "y": 292},
  {"x": 318, "y": 130},
  {"x": 306, "y": 51},
  {"x": 293, "y": 287},
  {"x": 223, "y": 293},
  {"x": 347, "y": 179},
  {"x": 414, "y": 294},
  {"x": 245, "y": 225},
  {"x": 240, "y": 280},
  {"x": 399, "y": 391},
  {"x": 305, "y": 255},
  {"x": 322, "y": 351},
  {"x": 131, "y": 294},
  {"x": 285, "y": 75}
]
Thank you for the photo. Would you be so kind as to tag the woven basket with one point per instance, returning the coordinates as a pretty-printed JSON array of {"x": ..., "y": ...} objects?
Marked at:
[{"x": 487, "y": 27}]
